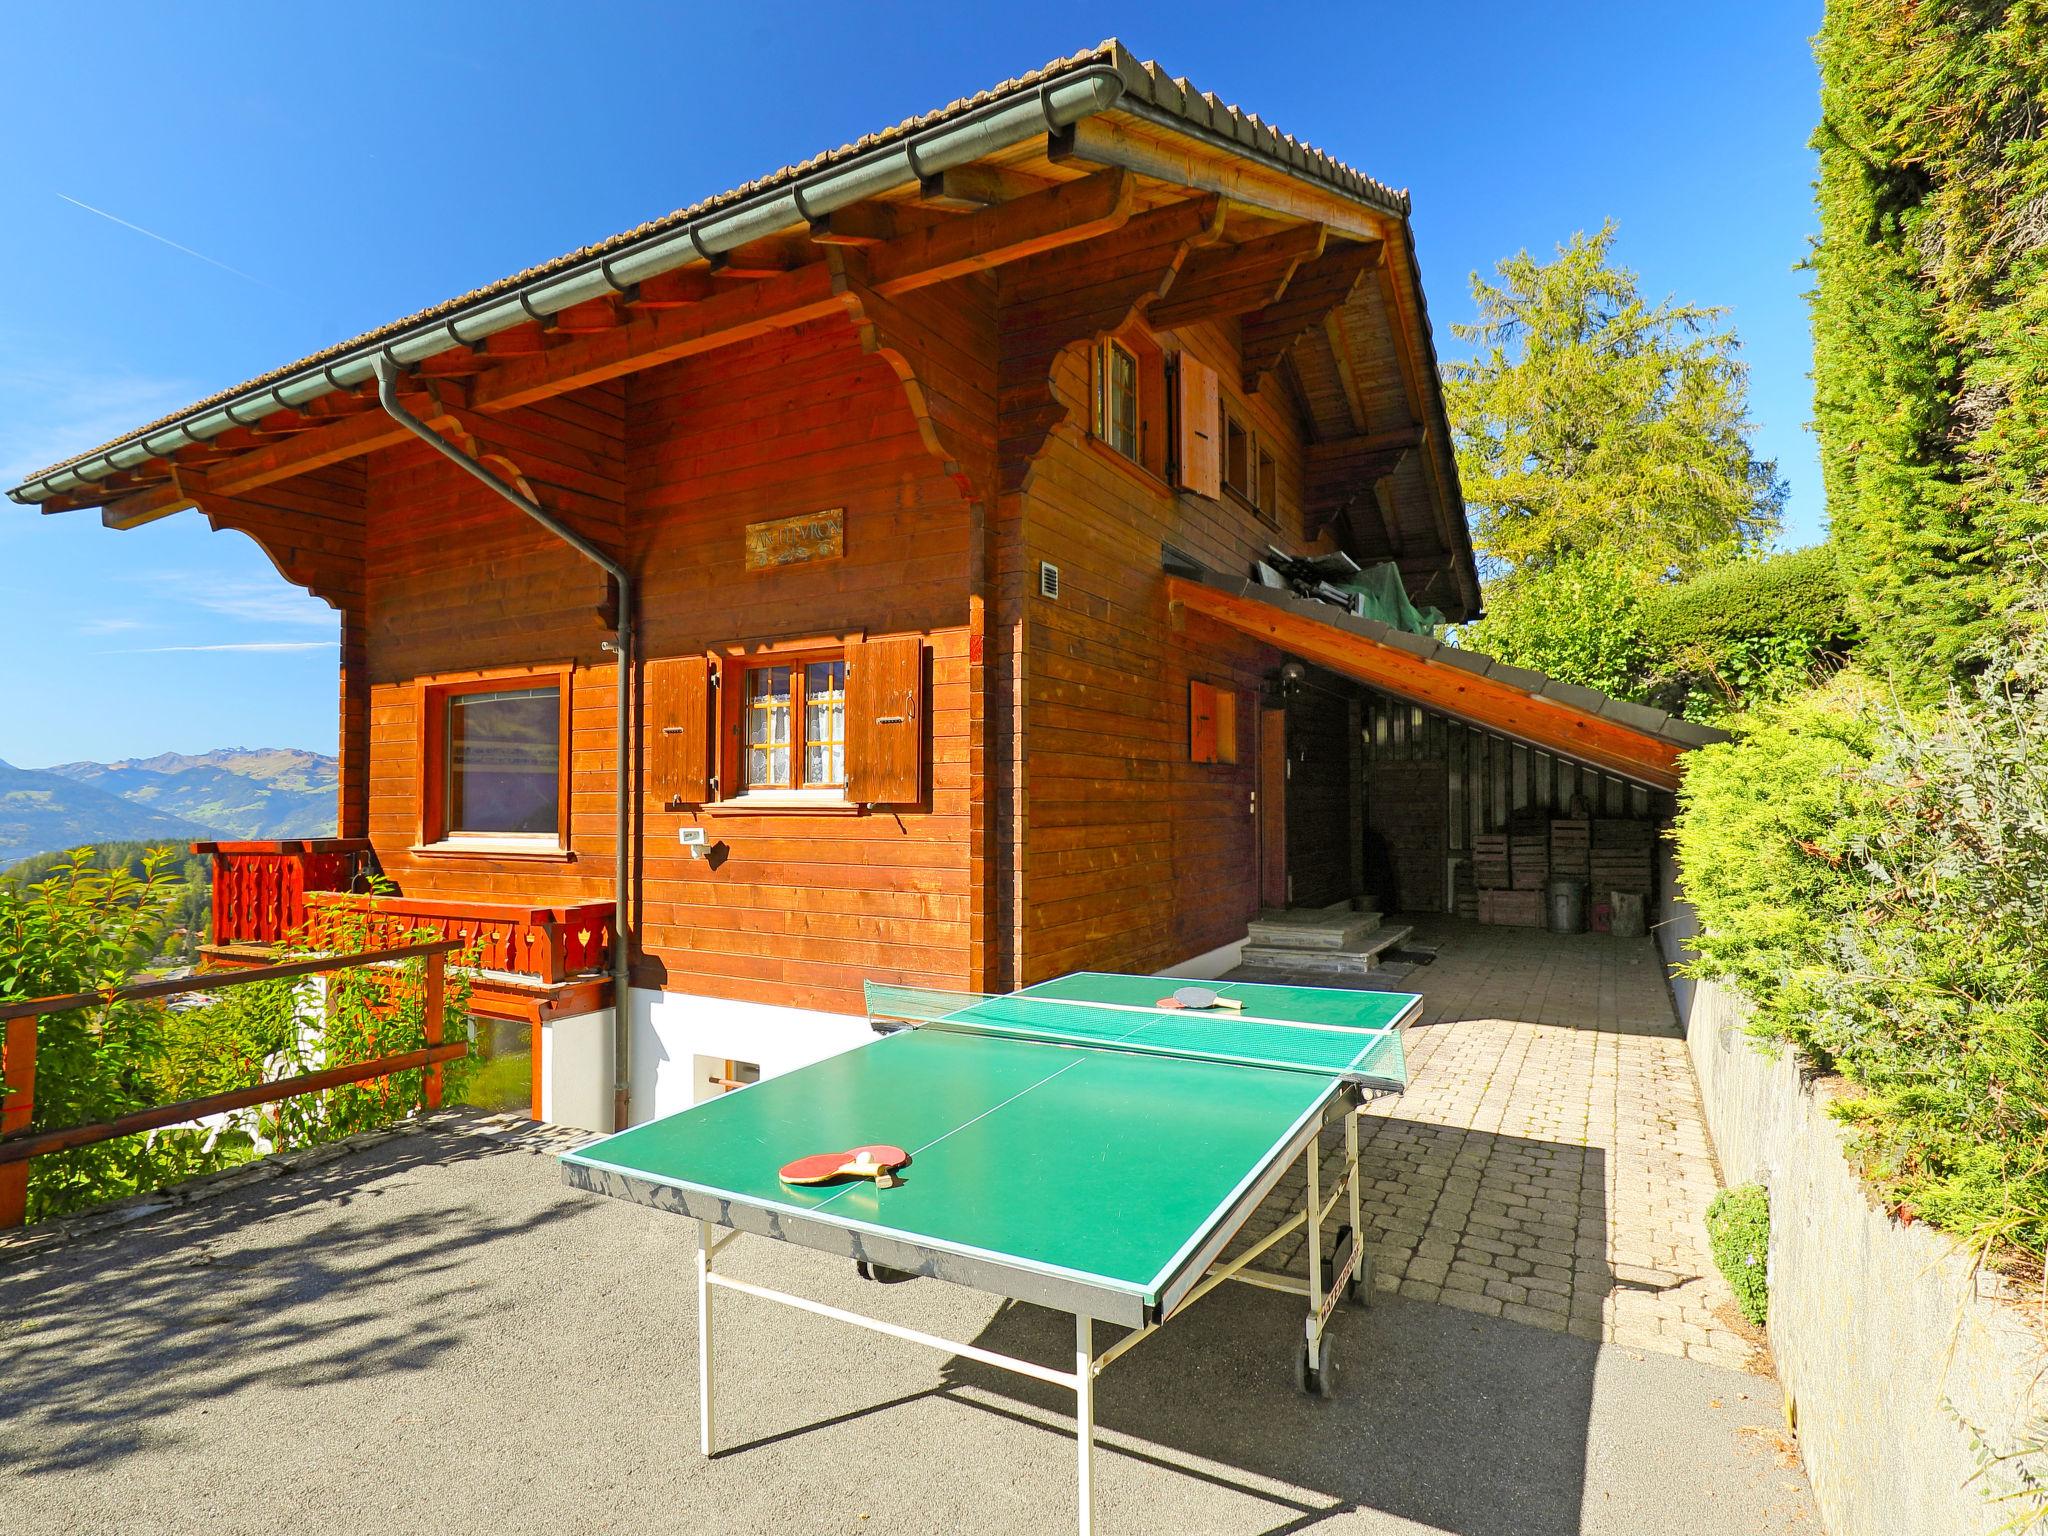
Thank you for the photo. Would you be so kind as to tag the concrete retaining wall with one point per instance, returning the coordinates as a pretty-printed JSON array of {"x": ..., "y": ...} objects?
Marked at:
[{"x": 1894, "y": 1354}]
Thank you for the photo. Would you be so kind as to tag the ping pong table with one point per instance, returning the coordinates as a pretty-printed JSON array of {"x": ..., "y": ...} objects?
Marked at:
[{"x": 1073, "y": 1145}]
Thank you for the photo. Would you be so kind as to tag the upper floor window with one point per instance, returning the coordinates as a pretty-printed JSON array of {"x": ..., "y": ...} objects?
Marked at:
[
  {"x": 1239, "y": 460},
  {"x": 1116, "y": 406}
]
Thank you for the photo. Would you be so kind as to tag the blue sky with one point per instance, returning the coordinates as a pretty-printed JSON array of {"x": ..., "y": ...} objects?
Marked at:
[{"x": 326, "y": 170}]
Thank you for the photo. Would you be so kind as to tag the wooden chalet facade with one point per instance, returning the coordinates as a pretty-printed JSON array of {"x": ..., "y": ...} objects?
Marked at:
[{"x": 897, "y": 447}]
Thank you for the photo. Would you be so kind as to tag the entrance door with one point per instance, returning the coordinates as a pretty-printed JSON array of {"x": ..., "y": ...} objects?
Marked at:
[{"x": 1272, "y": 807}]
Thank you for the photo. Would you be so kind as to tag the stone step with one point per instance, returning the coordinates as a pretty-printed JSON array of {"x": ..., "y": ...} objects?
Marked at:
[
  {"x": 1311, "y": 928},
  {"x": 1354, "y": 960}
]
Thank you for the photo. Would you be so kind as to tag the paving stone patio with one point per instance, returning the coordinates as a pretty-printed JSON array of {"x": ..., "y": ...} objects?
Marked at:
[{"x": 1548, "y": 1164}]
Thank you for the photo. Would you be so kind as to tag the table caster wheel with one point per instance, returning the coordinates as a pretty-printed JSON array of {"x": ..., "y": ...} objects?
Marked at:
[
  {"x": 1317, "y": 1377},
  {"x": 861, "y": 1268},
  {"x": 1358, "y": 1286},
  {"x": 881, "y": 1274}
]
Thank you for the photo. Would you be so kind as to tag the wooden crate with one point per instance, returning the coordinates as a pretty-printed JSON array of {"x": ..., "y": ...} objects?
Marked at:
[
  {"x": 1490, "y": 868},
  {"x": 1570, "y": 842},
  {"x": 1511, "y": 909}
]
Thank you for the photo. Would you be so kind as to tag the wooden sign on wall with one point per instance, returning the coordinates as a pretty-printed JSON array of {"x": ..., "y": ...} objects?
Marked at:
[{"x": 794, "y": 540}]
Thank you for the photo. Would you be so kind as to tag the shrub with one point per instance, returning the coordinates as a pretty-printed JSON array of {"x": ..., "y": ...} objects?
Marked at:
[
  {"x": 84, "y": 927},
  {"x": 1578, "y": 621},
  {"x": 1879, "y": 892},
  {"x": 1739, "y": 1231},
  {"x": 1749, "y": 631},
  {"x": 1763, "y": 838}
]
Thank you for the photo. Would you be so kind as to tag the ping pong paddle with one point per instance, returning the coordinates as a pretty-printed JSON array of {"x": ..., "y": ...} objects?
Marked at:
[
  {"x": 1198, "y": 997},
  {"x": 873, "y": 1162}
]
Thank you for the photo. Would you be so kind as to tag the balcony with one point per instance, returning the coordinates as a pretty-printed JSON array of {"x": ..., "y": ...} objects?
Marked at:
[{"x": 531, "y": 965}]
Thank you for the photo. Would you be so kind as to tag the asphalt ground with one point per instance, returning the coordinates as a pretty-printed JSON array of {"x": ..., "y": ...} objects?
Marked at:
[{"x": 433, "y": 1334}]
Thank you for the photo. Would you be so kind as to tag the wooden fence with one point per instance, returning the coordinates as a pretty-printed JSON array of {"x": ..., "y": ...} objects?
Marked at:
[{"x": 19, "y": 1020}]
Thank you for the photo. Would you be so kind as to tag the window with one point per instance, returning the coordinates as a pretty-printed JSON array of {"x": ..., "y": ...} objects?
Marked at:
[
  {"x": 504, "y": 762},
  {"x": 494, "y": 754},
  {"x": 1116, "y": 398},
  {"x": 1239, "y": 473},
  {"x": 792, "y": 725}
]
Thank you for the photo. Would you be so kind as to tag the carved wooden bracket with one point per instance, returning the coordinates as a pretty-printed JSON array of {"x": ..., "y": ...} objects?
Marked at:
[
  {"x": 312, "y": 536},
  {"x": 1317, "y": 288},
  {"x": 1052, "y": 302}
]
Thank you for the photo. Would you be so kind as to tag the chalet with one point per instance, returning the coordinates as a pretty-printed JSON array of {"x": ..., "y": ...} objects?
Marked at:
[{"x": 882, "y": 571}]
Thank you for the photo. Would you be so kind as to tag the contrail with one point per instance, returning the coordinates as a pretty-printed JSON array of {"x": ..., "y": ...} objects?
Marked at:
[
  {"x": 165, "y": 240},
  {"x": 244, "y": 645}
]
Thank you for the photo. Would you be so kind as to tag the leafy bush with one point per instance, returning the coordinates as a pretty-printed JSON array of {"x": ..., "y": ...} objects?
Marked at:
[
  {"x": 1875, "y": 881},
  {"x": 1763, "y": 836},
  {"x": 1739, "y": 1232},
  {"x": 84, "y": 927},
  {"x": 1578, "y": 620}
]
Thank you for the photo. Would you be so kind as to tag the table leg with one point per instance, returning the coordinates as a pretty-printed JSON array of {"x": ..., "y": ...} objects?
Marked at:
[
  {"x": 1315, "y": 1242},
  {"x": 1084, "y": 1415},
  {"x": 1363, "y": 1268},
  {"x": 704, "y": 1242}
]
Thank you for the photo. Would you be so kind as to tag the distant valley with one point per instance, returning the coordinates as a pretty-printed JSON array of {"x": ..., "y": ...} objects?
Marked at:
[{"x": 231, "y": 793}]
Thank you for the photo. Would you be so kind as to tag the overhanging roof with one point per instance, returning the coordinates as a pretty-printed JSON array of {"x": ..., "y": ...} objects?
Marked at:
[
  {"x": 1630, "y": 740},
  {"x": 1053, "y": 98}
]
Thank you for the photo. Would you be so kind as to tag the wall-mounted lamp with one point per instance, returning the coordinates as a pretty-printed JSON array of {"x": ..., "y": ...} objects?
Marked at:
[
  {"x": 1287, "y": 682},
  {"x": 697, "y": 842}
]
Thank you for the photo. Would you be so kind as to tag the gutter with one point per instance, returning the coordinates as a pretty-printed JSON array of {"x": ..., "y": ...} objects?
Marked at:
[
  {"x": 1047, "y": 108},
  {"x": 388, "y": 371}
]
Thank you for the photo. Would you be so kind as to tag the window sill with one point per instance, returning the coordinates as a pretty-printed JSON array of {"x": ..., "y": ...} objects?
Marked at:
[
  {"x": 1237, "y": 498},
  {"x": 783, "y": 805},
  {"x": 494, "y": 848},
  {"x": 1136, "y": 468}
]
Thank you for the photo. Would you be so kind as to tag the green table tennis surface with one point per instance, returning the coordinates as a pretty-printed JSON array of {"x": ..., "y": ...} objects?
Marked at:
[{"x": 1105, "y": 1156}]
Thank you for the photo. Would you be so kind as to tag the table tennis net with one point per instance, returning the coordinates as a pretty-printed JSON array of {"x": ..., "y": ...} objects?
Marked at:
[{"x": 1368, "y": 1055}]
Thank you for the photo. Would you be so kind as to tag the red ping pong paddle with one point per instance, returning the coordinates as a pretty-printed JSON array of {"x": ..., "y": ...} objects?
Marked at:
[{"x": 872, "y": 1162}]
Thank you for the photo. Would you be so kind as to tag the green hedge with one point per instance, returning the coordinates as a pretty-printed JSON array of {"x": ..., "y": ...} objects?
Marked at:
[
  {"x": 1739, "y": 1231},
  {"x": 1799, "y": 592},
  {"x": 1930, "y": 315}
]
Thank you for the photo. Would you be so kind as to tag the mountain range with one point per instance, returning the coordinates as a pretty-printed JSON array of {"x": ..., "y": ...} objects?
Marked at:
[{"x": 230, "y": 793}]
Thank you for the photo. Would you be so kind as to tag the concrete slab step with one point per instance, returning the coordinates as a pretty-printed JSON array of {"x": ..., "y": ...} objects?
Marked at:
[
  {"x": 1354, "y": 960},
  {"x": 1311, "y": 928}
]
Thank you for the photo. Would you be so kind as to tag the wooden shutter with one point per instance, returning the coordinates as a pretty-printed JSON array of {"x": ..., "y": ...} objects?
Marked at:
[
  {"x": 1201, "y": 723},
  {"x": 679, "y": 729},
  {"x": 885, "y": 721},
  {"x": 1196, "y": 412},
  {"x": 1226, "y": 725}
]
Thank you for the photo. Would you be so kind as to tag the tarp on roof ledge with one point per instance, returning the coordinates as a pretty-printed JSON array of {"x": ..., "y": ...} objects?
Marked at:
[{"x": 1631, "y": 740}]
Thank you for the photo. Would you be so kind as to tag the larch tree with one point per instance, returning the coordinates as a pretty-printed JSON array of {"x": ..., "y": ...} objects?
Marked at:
[{"x": 1592, "y": 423}]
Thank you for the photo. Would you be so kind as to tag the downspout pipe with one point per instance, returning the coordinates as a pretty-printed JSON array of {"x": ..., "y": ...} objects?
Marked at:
[{"x": 388, "y": 373}]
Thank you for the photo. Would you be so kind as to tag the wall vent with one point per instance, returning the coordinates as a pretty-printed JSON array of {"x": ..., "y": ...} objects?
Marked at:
[{"x": 1048, "y": 580}]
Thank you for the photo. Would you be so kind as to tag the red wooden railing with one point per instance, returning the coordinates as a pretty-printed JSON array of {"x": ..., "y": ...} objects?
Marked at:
[
  {"x": 271, "y": 892},
  {"x": 260, "y": 889},
  {"x": 549, "y": 944},
  {"x": 18, "y": 1022}
]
